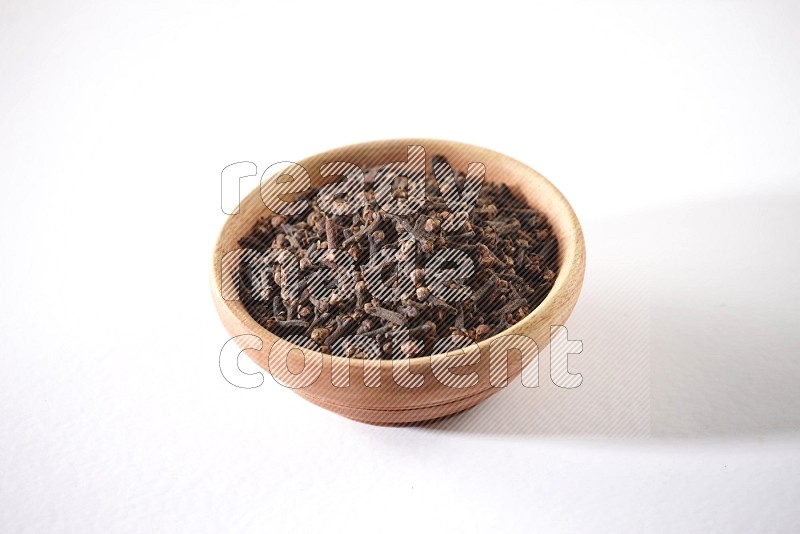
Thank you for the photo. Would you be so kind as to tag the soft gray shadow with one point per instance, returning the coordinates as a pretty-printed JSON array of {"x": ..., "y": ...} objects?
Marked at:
[{"x": 689, "y": 319}]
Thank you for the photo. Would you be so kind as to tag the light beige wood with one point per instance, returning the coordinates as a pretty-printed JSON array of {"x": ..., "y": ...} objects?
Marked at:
[{"x": 391, "y": 403}]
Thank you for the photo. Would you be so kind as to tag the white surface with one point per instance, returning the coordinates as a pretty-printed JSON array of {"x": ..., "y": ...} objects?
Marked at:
[{"x": 672, "y": 129}]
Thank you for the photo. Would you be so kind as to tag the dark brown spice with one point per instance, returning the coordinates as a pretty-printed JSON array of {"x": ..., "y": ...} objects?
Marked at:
[{"x": 511, "y": 245}]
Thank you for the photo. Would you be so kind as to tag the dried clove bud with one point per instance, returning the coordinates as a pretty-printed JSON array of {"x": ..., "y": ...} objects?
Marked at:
[{"x": 512, "y": 247}]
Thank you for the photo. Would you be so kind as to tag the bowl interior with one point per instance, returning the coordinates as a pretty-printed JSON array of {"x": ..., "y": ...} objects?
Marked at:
[{"x": 521, "y": 179}]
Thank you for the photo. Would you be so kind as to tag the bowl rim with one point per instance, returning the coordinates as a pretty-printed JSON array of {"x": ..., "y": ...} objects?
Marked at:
[{"x": 570, "y": 275}]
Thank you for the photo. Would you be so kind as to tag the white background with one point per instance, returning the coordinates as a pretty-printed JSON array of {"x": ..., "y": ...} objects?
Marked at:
[{"x": 673, "y": 128}]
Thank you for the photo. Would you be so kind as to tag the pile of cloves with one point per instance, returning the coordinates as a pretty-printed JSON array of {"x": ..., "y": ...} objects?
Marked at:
[{"x": 511, "y": 247}]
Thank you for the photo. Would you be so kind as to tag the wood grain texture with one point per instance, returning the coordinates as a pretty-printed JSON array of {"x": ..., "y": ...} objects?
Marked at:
[{"x": 391, "y": 403}]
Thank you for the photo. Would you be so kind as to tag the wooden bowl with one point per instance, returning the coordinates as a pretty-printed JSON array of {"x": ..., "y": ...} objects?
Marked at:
[{"x": 398, "y": 399}]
